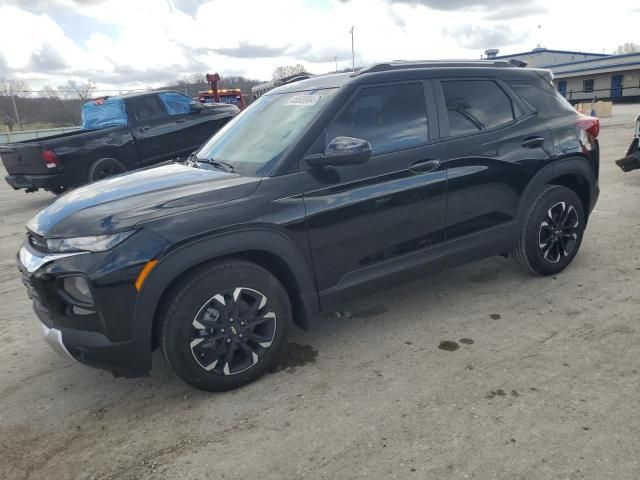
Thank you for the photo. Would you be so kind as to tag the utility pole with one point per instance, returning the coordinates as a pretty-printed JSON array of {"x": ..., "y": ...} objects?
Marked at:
[
  {"x": 336, "y": 60},
  {"x": 353, "y": 54},
  {"x": 15, "y": 107}
]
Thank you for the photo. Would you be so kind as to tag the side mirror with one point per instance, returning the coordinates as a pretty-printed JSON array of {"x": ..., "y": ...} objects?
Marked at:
[
  {"x": 196, "y": 107},
  {"x": 342, "y": 151}
]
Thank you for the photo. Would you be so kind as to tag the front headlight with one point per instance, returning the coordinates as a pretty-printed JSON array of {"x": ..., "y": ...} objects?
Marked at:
[{"x": 98, "y": 243}]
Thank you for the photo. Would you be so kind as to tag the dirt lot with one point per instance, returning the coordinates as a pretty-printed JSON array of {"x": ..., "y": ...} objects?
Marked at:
[{"x": 545, "y": 385}]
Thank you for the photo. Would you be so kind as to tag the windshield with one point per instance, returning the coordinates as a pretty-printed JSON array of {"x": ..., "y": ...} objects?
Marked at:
[{"x": 255, "y": 140}]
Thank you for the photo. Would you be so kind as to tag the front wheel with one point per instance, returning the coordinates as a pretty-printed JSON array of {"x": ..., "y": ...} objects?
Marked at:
[
  {"x": 552, "y": 231},
  {"x": 225, "y": 324}
]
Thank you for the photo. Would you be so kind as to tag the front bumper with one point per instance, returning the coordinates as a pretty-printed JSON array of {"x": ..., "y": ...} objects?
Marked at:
[
  {"x": 53, "y": 337},
  {"x": 102, "y": 336},
  {"x": 33, "y": 182}
]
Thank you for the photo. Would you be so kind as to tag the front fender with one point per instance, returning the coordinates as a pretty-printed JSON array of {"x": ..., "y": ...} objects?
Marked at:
[{"x": 184, "y": 257}]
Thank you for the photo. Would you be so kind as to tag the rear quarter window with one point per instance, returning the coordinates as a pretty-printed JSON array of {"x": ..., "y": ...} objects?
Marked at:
[{"x": 546, "y": 101}]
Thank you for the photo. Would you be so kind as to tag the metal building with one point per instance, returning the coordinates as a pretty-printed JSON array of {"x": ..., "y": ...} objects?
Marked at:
[{"x": 583, "y": 76}]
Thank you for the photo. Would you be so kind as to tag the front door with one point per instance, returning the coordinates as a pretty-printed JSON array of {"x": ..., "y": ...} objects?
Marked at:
[
  {"x": 493, "y": 147},
  {"x": 191, "y": 127},
  {"x": 368, "y": 222},
  {"x": 616, "y": 86},
  {"x": 152, "y": 127}
]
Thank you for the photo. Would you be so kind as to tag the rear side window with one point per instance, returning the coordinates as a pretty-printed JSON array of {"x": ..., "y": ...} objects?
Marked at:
[
  {"x": 546, "y": 101},
  {"x": 390, "y": 118},
  {"x": 176, "y": 103},
  {"x": 147, "y": 108},
  {"x": 475, "y": 105},
  {"x": 104, "y": 113}
]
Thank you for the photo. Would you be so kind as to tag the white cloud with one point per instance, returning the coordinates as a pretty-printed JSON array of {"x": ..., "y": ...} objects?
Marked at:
[{"x": 154, "y": 41}]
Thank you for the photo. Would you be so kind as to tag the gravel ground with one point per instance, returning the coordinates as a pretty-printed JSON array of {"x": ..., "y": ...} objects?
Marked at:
[{"x": 542, "y": 381}]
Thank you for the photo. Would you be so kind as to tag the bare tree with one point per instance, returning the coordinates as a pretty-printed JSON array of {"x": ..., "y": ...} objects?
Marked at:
[
  {"x": 68, "y": 98},
  {"x": 9, "y": 90},
  {"x": 628, "y": 47},
  {"x": 287, "y": 70},
  {"x": 73, "y": 90}
]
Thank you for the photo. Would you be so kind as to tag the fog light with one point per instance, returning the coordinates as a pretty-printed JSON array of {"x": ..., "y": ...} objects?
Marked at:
[{"x": 78, "y": 289}]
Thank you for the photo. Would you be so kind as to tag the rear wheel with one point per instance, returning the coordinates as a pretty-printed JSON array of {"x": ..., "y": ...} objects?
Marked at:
[
  {"x": 105, "y": 168},
  {"x": 225, "y": 325},
  {"x": 552, "y": 231}
]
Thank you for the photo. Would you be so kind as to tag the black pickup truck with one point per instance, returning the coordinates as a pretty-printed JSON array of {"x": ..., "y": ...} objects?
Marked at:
[{"x": 119, "y": 134}]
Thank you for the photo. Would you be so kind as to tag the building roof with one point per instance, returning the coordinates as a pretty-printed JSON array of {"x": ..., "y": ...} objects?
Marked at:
[{"x": 546, "y": 50}]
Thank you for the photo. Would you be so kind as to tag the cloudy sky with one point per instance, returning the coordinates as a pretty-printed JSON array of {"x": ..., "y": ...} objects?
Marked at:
[{"x": 139, "y": 43}]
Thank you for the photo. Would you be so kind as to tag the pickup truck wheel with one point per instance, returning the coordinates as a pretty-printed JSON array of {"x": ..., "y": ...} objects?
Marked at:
[
  {"x": 224, "y": 325},
  {"x": 104, "y": 168},
  {"x": 552, "y": 231}
]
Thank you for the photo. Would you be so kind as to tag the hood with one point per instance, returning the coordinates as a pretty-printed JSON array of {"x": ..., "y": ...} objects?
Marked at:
[{"x": 120, "y": 202}]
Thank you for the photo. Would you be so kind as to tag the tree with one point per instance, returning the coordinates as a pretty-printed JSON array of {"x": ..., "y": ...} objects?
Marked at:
[
  {"x": 68, "y": 99},
  {"x": 9, "y": 111},
  {"x": 628, "y": 47},
  {"x": 193, "y": 83},
  {"x": 287, "y": 71}
]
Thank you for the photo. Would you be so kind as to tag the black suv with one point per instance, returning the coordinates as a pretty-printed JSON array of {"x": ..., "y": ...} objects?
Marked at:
[{"x": 321, "y": 190}]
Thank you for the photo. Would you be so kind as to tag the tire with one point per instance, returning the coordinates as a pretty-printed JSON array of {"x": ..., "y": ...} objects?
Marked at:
[
  {"x": 105, "y": 168},
  {"x": 226, "y": 306},
  {"x": 552, "y": 231}
]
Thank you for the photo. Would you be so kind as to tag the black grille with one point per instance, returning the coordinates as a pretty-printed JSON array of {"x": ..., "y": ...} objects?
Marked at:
[{"x": 34, "y": 290}]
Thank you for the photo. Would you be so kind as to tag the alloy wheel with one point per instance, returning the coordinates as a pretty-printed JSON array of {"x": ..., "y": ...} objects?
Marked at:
[
  {"x": 232, "y": 331},
  {"x": 559, "y": 232},
  {"x": 107, "y": 172}
]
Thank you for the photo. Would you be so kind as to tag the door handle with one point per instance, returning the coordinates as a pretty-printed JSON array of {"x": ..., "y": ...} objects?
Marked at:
[
  {"x": 181, "y": 120},
  {"x": 424, "y": 166},
  {"x": 533, "y": 142},
  {"x": 143, "y": 129}
]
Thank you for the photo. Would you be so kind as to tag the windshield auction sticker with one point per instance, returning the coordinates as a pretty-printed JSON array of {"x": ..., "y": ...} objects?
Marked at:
[{"x": 304, "y": 100}]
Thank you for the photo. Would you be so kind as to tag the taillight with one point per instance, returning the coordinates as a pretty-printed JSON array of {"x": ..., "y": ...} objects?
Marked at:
[
  {"x": 50, "y": 159},
  {"x": 591, "y": 125}
]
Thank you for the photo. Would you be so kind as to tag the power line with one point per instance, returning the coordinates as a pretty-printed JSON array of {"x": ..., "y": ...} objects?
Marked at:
[{"x": 92, "y": 91}]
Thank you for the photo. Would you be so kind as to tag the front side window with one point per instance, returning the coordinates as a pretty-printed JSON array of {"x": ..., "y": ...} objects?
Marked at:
[
  {"x": 475, "y": 105},
  {"x": 390, "y": 118},
  {"x": 176, "y": 103},
  {"x": 255, "y": 140}
]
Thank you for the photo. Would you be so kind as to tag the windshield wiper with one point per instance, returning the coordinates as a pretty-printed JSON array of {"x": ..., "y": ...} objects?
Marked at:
[{"x": 224, "y": 166}]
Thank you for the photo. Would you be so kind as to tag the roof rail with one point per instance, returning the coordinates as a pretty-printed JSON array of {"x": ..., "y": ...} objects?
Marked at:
[
  {"x": 405, "y": 65},
  {"x": 293, "y": 79},
  {"x": 518, "y": 63}
]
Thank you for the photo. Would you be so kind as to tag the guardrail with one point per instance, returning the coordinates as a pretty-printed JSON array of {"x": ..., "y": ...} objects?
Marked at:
[{"x": 22, "y": 135}]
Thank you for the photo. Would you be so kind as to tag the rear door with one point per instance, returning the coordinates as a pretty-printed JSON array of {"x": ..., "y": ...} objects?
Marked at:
[
  {"x": 367, "y": 222},
  {"x": 493, "y": 145},
  {"x": 152, "y": 128}
]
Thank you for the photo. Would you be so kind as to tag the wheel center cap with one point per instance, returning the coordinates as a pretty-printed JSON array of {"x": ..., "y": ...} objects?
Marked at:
[{"x": 233, "y": 330}]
